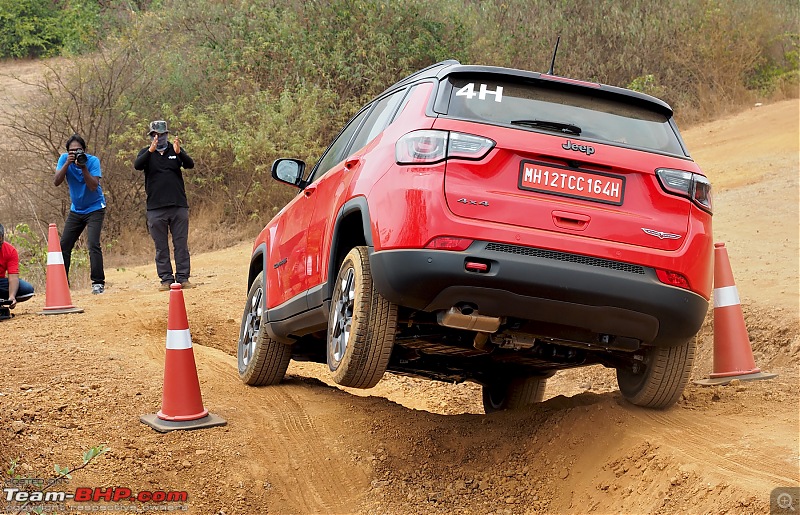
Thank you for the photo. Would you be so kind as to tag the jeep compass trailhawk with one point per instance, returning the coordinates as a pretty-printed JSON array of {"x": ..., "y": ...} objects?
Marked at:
[{"x": 494, "y": 225}]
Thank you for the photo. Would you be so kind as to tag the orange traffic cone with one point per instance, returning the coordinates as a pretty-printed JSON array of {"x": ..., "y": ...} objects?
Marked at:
[
  {"x": 181, "y": 402},
  {"x": 57, "y": 298},
  {"x": 733, "y": 355}
]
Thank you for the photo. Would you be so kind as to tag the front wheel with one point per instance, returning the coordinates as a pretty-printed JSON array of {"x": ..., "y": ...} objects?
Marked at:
[
  {"x": 261, "y": 360},
  {"x": 361, "y": 325},
  {"x": 657, "y": 378},
  {"x": 513, "y": 394}
]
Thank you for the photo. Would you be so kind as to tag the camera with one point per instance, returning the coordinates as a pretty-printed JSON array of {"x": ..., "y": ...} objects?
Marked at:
[{"x": 80, "y": 157}]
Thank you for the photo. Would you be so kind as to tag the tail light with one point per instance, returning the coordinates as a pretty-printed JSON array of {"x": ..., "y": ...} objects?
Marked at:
[
  {"x": 432, "y": 146},
  {"x": 693, "y": 186}
]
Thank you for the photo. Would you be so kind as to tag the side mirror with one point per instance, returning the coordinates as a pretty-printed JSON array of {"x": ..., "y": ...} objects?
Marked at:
[{"x": 289, "y": 171}]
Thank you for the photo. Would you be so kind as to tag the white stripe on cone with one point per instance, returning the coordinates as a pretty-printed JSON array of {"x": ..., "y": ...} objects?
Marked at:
[
  {"x": 178, "y": 339},
  {"x": 55, "y": 258},
  {"x": 726, "y": 296}
]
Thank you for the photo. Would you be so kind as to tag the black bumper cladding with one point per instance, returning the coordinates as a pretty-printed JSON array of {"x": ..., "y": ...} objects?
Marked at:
[{"x": 598, "y": 295}]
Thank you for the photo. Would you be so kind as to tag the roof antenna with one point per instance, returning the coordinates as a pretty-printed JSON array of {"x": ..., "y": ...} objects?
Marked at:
[{"x": 553, "y": 62}]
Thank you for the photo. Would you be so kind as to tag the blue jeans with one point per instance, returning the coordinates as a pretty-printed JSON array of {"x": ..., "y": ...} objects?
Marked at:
[{"x": 24, "y": 292}]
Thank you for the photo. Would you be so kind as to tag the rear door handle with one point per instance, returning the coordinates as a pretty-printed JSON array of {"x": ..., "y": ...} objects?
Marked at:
[{"x": 574, "y": 221}]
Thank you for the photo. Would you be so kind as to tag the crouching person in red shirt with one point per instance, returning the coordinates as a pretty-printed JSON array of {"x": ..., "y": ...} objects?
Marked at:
[{"x": 12, "y": 288}]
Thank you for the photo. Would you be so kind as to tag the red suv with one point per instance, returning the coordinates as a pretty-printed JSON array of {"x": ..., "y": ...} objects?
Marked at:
[{"x": 494, "y": 225}]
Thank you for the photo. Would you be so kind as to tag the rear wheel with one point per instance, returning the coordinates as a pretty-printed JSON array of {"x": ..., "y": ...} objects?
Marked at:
[
  {"x": 361, "y": 325},
  {"x": 261, "y": 360},
  {"x": 513, "y": 394},
  {"x": 658, "y": 379}
]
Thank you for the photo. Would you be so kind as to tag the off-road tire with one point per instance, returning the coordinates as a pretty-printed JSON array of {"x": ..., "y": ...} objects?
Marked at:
[
  {"x": 662, "y": 378},
  {"x": 261, "y": 360},
  {"x": 514, "y": 394},
  {"x": 361, "y": 325}
]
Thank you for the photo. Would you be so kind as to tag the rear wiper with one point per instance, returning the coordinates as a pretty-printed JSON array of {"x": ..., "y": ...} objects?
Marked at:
[{"x": 566, "y": 128}]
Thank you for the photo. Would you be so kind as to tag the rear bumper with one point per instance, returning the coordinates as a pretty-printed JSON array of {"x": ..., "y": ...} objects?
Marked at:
[{"x": 572, "y": 291}]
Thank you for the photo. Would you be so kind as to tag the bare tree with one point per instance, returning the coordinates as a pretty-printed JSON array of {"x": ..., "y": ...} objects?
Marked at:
[{"x": 98, "y": 97}]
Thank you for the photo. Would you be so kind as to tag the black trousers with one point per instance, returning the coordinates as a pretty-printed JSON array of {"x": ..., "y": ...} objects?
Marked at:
[
  {"x": 161, "y": 222},
  {"x": 24, "y": 292},
  {"x": 73, "y": 227}
]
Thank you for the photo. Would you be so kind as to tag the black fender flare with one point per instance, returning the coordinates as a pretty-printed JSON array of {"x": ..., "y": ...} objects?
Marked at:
[{"x": 355, "y": 205}]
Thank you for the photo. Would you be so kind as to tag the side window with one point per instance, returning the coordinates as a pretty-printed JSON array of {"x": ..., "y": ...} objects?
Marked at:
[
  {"x": 337, "y": 149},
  {"x": 378, "y": 120}
]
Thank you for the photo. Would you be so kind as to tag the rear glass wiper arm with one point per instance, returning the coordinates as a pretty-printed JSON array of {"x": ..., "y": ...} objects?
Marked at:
[{"x": 566, "y": 128}]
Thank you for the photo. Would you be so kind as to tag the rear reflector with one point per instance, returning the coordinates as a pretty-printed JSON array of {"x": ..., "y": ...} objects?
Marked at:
[
  {"x": 449, "y": 243},
  {"x": 672, "y": 278}
]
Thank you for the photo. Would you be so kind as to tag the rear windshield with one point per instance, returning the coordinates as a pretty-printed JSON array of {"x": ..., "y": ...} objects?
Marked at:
[{"x": 568, "y": 113}]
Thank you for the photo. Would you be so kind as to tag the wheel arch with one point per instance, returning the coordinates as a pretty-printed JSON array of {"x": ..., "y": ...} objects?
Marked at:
[
  {"x": 257, "y": 264},
  {"x": 351, "y": 229}
]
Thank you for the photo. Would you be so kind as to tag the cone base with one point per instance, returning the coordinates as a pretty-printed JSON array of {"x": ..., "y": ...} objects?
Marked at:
[
  {"x": 182, "y": 418},
  {"x": 165, "y": 426},
  {"x": 715, "y": 381},
  {"x": 61, "y": 310}
]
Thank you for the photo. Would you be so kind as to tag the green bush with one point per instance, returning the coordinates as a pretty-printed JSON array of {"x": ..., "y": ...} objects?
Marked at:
[
  {"x": 29, "y": 28},
  {"x": 44, "y": 28}
]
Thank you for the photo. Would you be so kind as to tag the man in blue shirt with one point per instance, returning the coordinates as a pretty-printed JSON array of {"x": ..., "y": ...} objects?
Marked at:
[{"x": 88, "y": 209}]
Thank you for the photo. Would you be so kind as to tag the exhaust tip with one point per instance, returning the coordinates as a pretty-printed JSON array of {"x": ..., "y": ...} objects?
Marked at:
[{"x": 467, "y": 309}]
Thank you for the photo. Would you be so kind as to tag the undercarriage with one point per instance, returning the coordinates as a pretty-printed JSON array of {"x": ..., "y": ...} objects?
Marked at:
[{"x": 423, "y": 348}]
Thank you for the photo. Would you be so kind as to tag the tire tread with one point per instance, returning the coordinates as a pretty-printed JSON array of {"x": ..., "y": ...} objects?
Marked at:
[
  {"x": 269, "y": 363},
  {"x": 270, "y": 359},
  {"x": 666, "y": 376},
  {"x": 370, "y": 350}
]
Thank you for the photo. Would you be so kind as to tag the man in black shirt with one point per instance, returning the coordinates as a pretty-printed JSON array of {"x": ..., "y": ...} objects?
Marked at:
[{"x": 167, "y": 207}]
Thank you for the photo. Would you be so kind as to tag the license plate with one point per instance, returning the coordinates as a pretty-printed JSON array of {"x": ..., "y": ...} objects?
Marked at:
[{"x": 568, "y": 182}]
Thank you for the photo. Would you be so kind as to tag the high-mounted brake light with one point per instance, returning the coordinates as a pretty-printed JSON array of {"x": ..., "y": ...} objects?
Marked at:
[
  {"x": 432, "y": 146},
  {"x": 693, "y": 186}
]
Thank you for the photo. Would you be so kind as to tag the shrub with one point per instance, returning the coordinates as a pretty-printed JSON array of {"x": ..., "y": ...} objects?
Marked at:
[{"x": 29, "y": 28}]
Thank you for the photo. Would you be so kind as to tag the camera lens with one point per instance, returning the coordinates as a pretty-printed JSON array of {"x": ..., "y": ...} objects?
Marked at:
[{"x": 80, "y": 157}]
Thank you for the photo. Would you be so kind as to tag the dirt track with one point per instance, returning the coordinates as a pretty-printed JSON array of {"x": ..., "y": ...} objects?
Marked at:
[{"x": 73, "y": 381}]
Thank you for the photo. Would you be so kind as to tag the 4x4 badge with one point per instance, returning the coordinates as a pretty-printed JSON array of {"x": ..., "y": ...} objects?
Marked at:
[
  {"x": 473, "y": 202},
  {"x": 661, "y": 235}
]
